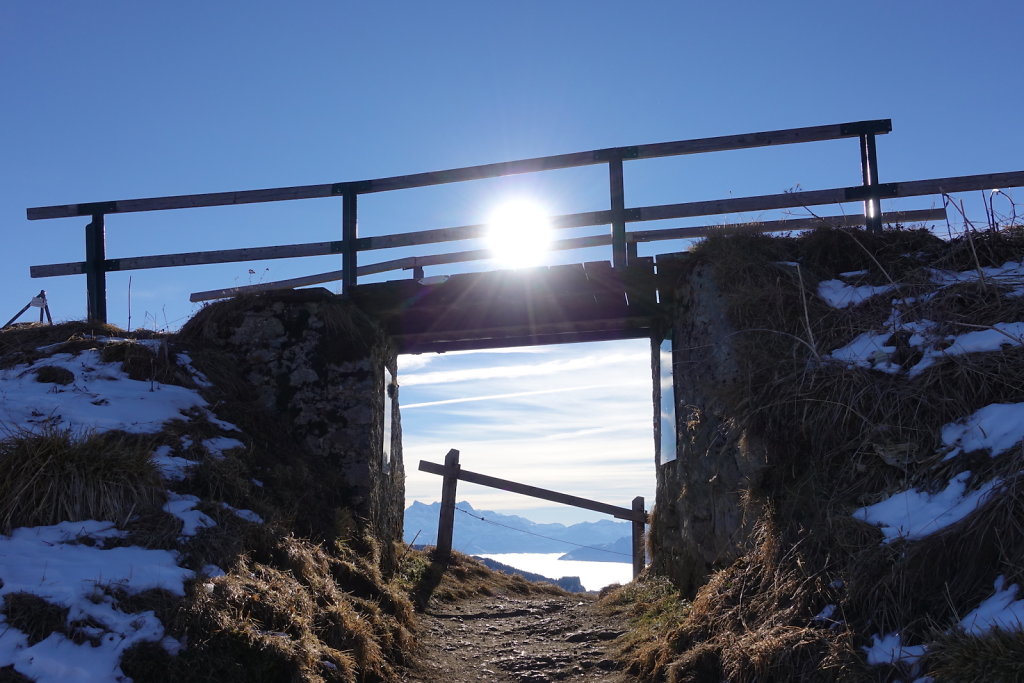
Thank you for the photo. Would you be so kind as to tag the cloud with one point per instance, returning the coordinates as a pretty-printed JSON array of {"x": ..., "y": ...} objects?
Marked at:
[
  {"x": 413, "y": 362},
  {"x": 522, "y": 370},
  {"x": 492, "y": 397}
]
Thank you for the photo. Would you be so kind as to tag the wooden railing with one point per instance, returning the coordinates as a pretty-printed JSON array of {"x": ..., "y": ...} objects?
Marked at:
[
  {"x": 453, "y": 473},
  {"x": 623, "y": 243}
]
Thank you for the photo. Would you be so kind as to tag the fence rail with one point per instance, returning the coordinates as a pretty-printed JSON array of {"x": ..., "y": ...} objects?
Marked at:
[
  {"x": 548, "y": 163},
  {"x": 453, "y": 473}
]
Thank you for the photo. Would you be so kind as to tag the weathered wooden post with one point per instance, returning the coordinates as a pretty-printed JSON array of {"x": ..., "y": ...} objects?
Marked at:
[
  {"x": 639, "y": 522},
  {"x": 95, "y": 269},
  {"x": 618, "y": 206},
  {"x": 869, "y": 172},
  {"x": 349, "y": 233},
  {"x": 446, "y": 521}
]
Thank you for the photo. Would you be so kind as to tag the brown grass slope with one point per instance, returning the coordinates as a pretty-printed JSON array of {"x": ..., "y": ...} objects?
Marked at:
[
  {"x": 294, "y": 605},
  {"x": 839, "y": 438}
]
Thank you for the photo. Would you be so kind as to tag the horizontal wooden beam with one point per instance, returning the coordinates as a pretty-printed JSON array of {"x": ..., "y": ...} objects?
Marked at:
[
  {"x": 196, "y": 258},
  {"x": 768, "y": 138},
  {"x": 649, "y": 151},
  {"x": 839, "y": 195},
  {"x": 844, "y": 221},
  {"x": 467, "y": 232},
  {"x": 305, "y": 281},
  {"x": 188, "y": 201},
  {"x": 533, "y": 491},
  {"x": 965, "y": 183},
  {"x": 409, "y": 262},
  {"x": 619, "y": 328}
]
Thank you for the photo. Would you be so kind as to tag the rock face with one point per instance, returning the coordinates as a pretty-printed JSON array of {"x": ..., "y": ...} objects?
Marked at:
[
  {"x": 318, "y": 363},
  {"x": 701, "y": 518}
]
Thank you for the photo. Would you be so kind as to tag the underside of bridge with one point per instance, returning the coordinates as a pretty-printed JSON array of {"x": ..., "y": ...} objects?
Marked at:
[{"x": 553, "y": 305}]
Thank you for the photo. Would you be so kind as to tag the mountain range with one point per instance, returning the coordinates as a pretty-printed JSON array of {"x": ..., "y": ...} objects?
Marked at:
[{"x": 498, "y": 533}]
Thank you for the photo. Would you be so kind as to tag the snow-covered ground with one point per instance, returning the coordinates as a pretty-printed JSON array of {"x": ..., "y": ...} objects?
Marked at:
[{"x": 73, "y": 564}]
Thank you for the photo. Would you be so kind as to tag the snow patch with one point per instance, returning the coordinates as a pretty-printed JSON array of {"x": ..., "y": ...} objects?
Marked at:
[
  {"x": 998, "y": 611},
  {"x": 247, "y": 515},
  {"x": 996, "y": 428},
  {"x": 171, "y": 467},
  {"x": 181, "y": 506},
  {"x": 218, "y": 444},
  {"x": 49, "y": 562},
  {"x": 102, "y": 397},
  {"x": 888, "y": 649},
  {"x": 838, "y": 294},
  {"x": 914, "y": 514}
]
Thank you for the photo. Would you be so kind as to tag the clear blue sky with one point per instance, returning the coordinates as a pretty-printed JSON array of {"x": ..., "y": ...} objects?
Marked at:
[{"x": 114, "y": 100}]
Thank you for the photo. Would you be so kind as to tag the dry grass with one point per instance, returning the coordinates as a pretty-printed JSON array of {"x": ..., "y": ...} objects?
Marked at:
[
  {"x": 56, "y": 476},
  {"x": 142, "y": 363},
  {"x": 996, "y": 656},
  {"x": 21, "y": 343},
  {"x": 985, "y": 248},
  {"x": 287, "y": 610},
  {"x": 34, "y": 616},
  {"x": 839, "y": 438},
  {"x": 425, "y": 579},
  {"x": 654, "y": 608}
]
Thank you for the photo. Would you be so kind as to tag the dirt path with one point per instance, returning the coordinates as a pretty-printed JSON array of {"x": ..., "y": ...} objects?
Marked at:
[{"x": 524, "y": 639}]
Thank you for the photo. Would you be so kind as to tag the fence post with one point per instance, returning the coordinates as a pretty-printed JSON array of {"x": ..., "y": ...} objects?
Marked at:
[
  {"x": 95, "y": 269},
  {"x": 869, "y": 172},
  {"x": 446, "y": 521},
  {"x": 639, "y": 522},
  {"x": 349, "y": 233},
  {"x": 618, "y": 207}
]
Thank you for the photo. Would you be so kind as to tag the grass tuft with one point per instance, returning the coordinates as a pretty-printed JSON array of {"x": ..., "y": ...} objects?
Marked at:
[
  {"x": 997, "y": 656},
  {"x": 34, "y": 616},
  {"x": 654, "y": 608},
  {"x": 56, "y": 476}
]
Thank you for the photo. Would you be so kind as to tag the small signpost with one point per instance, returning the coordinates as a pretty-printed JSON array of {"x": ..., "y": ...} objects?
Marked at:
[
  {"x": 38, "y": 301},
  {"x": 453, "y": 472}
]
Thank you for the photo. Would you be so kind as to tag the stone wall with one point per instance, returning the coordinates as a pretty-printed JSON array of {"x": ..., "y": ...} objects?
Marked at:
[
  {"x": 318, "y": 366},
  {"x": 702, "y": 519}
]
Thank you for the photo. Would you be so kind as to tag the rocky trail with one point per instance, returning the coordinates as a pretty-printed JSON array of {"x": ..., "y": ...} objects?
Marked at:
[{"x": 523, "y": 639}]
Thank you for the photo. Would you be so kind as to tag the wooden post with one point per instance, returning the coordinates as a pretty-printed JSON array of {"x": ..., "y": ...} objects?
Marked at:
[
  {"x": 349, "y": 233},
  {"x": 639, "y": 523},
  {"x": 95, "y": 270},
  {"x": 446, "y": 521},
  {"x": 869, "y": 172},
  {"x": 618, "y": 207}
]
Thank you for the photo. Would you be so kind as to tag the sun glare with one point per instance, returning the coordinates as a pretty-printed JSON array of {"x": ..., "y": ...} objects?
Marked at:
[{"x": 519, "y": 234}]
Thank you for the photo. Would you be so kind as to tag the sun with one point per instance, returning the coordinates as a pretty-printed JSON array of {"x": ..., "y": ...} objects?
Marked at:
[{"x": 519, "y": 234}]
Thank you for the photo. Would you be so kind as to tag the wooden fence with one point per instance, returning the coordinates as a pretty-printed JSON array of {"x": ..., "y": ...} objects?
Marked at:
[
  {"x": 623, "y": 243},
  {"x": 453, "y": 473}
]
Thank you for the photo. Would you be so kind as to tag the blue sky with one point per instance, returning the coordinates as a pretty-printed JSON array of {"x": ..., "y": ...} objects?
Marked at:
[{"x": 114, "y": 100}]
